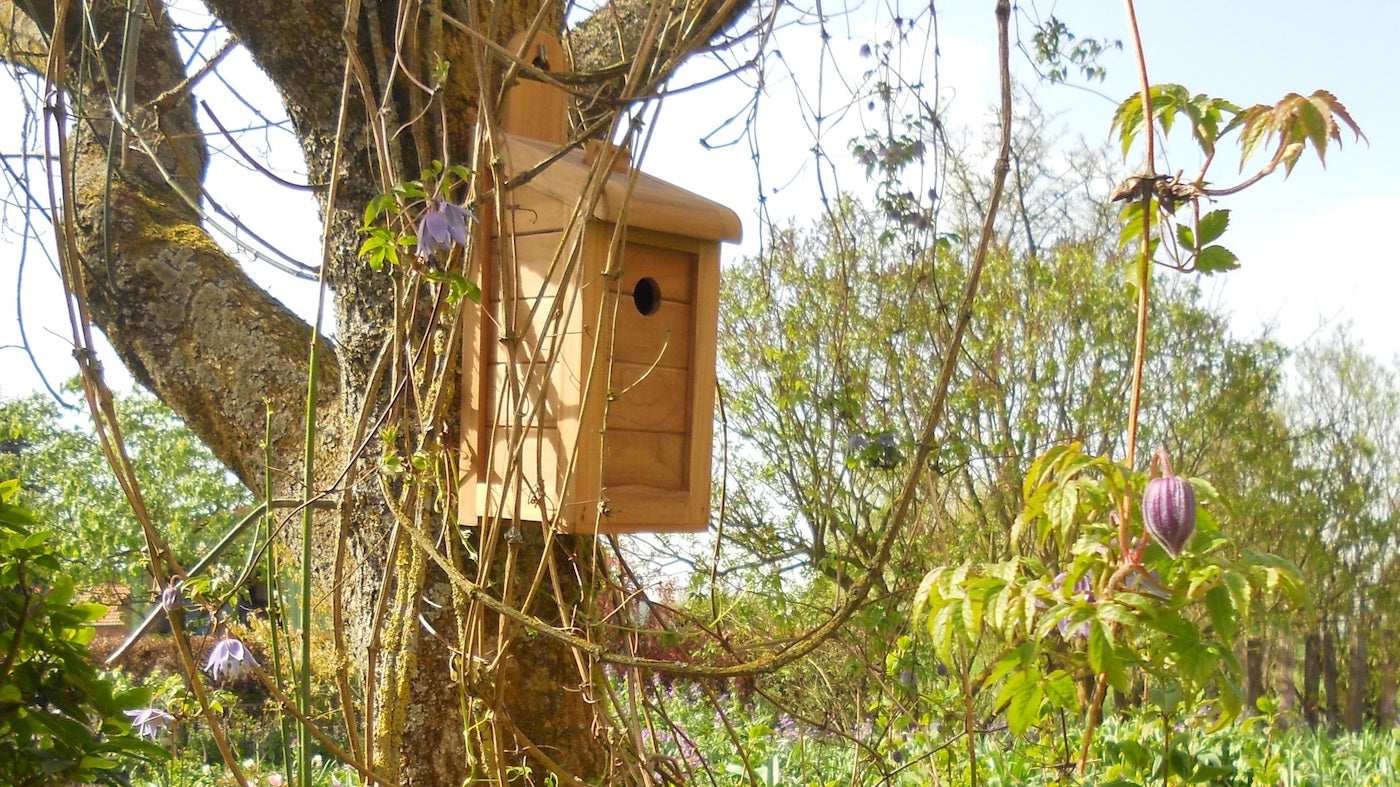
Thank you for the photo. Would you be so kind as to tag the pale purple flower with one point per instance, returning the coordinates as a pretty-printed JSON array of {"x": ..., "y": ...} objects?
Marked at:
[
  {"x": 148, "y": 722},
  {"x": 1151, "y": 584},
  {"x": 276, "y": 780},
  {"x": 229, "y": 657},
  {"x": 1083, "y": 588},
  {"x": 444, "y": 224}
]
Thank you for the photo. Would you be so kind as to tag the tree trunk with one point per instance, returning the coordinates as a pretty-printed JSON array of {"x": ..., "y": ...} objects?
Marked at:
[
  {"x": 1254, "y": 672},
  {"x": 1389, "y": 683},
  {"x": 1285, "y": 651},
  {"x": 1357, "y": 678},
  {"x": 1330, "y": 674},
  {"x": 1312, "y": 675}
]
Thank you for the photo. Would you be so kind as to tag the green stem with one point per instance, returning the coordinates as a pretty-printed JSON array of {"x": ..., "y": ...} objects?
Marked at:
[
  {"x": 309, "y": 452},
  {"x": 1166, "y": 749},
  {"x": 275, "y": 615},
  {"x": 308, "y": 475}
]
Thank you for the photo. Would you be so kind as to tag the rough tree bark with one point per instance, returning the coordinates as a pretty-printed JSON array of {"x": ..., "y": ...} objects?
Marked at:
[
  {"x": 192, "y": 327},
  {"x": 1357, "y": 678},
  {"x": 1254, "y": 671},
  {"x": 1389, "y": 681},
  {"x": 1330, "y": 676},
  {"x": 1285, "y": 651},
  {"x": 1312, "y": 675}
]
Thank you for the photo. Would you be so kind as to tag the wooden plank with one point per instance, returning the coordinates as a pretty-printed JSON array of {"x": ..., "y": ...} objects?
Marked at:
[
  {"x": 536, "y": 266},
  {"x": 647, "y": 510},
  {"x": 539, "y": 479},
  {"x": 533, "y": 108},
  {"x": 649, "y": 459},
  {"x": 538, "y": 333},
  {"x": 703, "y": 384},
  {"x": 662, "y": 338},
  {"x": 528, "y": 399},
  {"x": 649, "y": 399},
  {"x": 673, "y": 271}
]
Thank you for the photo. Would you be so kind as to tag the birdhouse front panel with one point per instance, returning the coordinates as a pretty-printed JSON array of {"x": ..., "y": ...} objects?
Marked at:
[
  {"x": 647, "y": 424},
  {"x": 658, "y": 425}
]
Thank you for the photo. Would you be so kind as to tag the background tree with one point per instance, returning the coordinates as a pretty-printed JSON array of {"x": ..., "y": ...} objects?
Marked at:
[
  {"x": 62, "y": 721},
  {"x": 188, "y": 491},
  {"x": 1345, "y": 415},
  {"x": 829, "y": 340}
]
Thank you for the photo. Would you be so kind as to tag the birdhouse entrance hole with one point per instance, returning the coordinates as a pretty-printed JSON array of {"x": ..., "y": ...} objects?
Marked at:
[{"x": 646, "y": 295}]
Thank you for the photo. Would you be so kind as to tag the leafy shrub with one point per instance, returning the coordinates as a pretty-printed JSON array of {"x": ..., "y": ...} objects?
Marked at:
[{"x": 61, "y": 722}]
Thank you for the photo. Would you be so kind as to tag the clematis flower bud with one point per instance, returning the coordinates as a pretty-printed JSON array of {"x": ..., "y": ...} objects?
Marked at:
[
  {"x": 173, "y": 596},
  {"x": 1169, "y": 512}
]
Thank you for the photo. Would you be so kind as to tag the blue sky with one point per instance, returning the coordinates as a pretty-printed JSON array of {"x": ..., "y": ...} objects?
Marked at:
[{"x": 1315, "y": 249}]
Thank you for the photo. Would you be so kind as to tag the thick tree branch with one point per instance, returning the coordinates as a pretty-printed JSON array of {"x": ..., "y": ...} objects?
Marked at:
[
  {"x": 298, "y": 44},
  {"x": 183, "y": 316}
]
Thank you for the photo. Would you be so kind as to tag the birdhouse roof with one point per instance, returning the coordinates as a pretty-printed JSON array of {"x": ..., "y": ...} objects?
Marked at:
[{"x": 648, "y": 202}]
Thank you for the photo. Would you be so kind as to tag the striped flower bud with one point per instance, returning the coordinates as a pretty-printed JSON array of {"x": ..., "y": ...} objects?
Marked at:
[{"x": 1169, "y": 511}]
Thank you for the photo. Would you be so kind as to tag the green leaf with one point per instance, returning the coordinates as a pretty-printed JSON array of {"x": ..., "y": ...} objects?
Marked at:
[
  {"x": 90, "y": 611},
  {"x": 1254, "y": 124},
  {"x": 1185, "y": 236},
  {"x": 1010, "y": 662},
  {"x": 1223, "y": 615},
  {"x": 1060, "y": 689},
  {"x": 1213, "y": 225},
  {"x": 1214, "y": 259},
  {"x": 1316, "y": 126},
  {"x": 1111, "y": 612},
  {"x": 941, "y": 629},
  {"x": 1239, "y": 589},
  {"x": 377, "y": 206},
  {"x": 971, "y": 617},
  {"x": 1024, "y": 710},
  {"x": 1101, "y": 656}
]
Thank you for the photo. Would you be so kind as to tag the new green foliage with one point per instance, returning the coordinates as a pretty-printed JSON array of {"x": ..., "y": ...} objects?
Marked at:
[
  {"x": 61, "y": 721},
  {"x": 192, "y": 499}
]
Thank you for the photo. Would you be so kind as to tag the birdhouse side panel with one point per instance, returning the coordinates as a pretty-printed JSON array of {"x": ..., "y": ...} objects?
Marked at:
[{"x": 535, "y": 371}]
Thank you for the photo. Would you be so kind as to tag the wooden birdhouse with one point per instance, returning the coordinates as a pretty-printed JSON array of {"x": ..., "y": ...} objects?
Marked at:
[{"x": 589, "y": 372}]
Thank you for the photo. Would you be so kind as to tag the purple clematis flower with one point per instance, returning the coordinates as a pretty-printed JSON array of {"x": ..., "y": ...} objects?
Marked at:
[
  {"x": 1083, "y": 588},
  {"x": 148, "y": 722},
  {"x": 229, "y": 657},
  {"x": 444, "y": 224},
  {"x": 1149, "y": 583}
]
